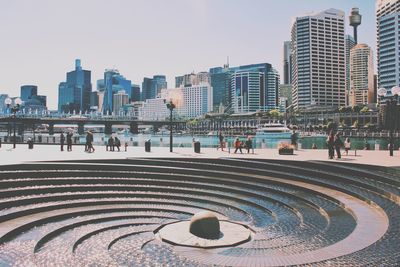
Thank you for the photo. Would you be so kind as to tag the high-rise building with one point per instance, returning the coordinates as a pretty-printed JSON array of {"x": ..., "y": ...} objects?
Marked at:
[
  {"x": 94, "y": 101},
  {"x": 27, "y": 91},
  {"x": 146, "y": 89},
  {"x": 318, "y": 60},
  {"x": 285, "y": 91},
  {"x": 120, "y": 99},
  {"x": 221, "y": 83},
  {"x": 192, "y": 79},
  {"x": 135, "y": 94},
  {"x": 388, "y": 40},
  {"x": 74, "y": 94},
  {"x": 113, "y": 83},
  {"x": 151, "y": 87},
  {"x": 159, "y": 83},
  {"x": 248, "y": 88},
  {"x": 361, "y": 76},
  {"x": 287, "y": 63},
  {"x": 264, "y": 98},
  {"x": 31, "y": 101},
  {"x": 350, "y": 43},
  {"x": 197, "y": 100},
  {"x": 229, "y": 95},
  {"x": 3, "y": 106}
]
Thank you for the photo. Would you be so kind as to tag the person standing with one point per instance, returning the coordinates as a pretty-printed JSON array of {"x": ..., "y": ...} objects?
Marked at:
[
  {"x": 62, "y": 140},
  {"x": 69, "y": 141},
  {"x": 238, "y": 145},
  {"x": 338, "y": 145},
  {"x": 347, "y": 145},
  {"x": 330, "y": 141}
]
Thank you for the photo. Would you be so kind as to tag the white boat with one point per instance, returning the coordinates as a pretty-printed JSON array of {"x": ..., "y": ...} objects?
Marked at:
[{"x": 274, "y": 130}]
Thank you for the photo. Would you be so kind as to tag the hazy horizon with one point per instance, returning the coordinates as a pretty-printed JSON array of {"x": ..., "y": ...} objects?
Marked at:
[{"x": 42, "y": 38}]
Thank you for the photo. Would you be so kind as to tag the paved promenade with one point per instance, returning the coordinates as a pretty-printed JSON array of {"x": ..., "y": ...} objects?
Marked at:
[{"x": 52, "y": 152}]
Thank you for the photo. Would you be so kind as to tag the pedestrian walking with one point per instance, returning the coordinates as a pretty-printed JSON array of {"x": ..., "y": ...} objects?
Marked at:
[
  {"x": 330, "y": 141},
  {"x": 117, "y": 143},
  {"x": 62, "y": 140},
  {"x": 293, "y": 138},
  {"x": 249, "y": 144},
  {"x": 238, "y": 145},
  {"x": 69, "y": 141},
  {"x": 221, "y": 141},
  {"x": 338, "y": 145},
  {"x": 347, "y": 146},
  {"x": 110, "y": 144},
  {"x": 89, "y": 142}
]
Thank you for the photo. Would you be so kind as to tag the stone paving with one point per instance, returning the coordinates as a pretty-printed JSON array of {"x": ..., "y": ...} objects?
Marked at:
[{"x": 52, "y": 152}]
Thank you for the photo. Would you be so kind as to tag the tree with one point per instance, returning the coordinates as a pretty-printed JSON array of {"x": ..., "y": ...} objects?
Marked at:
[
  {"x": 331, "y": 126},
  {"x": 274, "y": 113},
  {"x": 356, "y": 109},
  {"x": 343, "y": 109},
  {"x": 364, "y": 110}
]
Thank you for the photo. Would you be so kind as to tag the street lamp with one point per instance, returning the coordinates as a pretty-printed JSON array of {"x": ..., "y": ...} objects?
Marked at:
[
  {"x": 14, "y": 109},
  {"x": 391, "y": 118},
  {"x": 171, "y": 107}
]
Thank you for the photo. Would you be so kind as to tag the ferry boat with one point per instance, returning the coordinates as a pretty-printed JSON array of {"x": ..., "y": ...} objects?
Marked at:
[{"x": 273, "y": 130}]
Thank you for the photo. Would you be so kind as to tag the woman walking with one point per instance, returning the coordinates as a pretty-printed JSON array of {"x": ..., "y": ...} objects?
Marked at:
[{"x": 238, "y": 145}]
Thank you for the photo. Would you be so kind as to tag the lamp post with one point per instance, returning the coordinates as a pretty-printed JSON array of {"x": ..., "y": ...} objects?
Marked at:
[
  {"x": 391, "y": 102},
  {"x": 14, "y": 109},
  {"x": 171, "y": 107}
]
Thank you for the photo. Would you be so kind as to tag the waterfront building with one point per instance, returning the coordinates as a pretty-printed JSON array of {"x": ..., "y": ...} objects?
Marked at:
[
  {"x": 113, "y": 83},
  {"x": 74, "y": 94},
  {"x": 135, "y": 93},
  {"x": 388, "y": 40},
  {"x": 287, "y": 63},
  {"x": 254, "y": 87},
  {"x": 318, "y": 56},
  {"x": 350, "y": 43},
  {"x": 120, "y": 99},
  {"x": 361, "y": 76},
  {"x": 27, "y": 91},
  {"x": 153, "y": 109},
  {"x": 31, "y": 101}
]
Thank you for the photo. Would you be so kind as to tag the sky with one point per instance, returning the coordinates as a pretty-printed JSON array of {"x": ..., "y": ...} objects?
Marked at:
[{"x": 40, "y": 39}]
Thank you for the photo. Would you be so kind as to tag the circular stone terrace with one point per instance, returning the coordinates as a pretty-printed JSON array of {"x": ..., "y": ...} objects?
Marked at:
[{"x": 140, "y": 212}]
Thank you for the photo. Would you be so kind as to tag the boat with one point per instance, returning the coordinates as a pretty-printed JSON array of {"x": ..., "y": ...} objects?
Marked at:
[{"x": 273, "y": 130}]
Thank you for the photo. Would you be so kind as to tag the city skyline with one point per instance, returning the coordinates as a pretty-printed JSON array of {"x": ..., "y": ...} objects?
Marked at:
[{"x": 179, "y": 38}]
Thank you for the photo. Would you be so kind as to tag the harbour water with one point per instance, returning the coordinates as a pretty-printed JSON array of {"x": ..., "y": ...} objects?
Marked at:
[{"x": 205, "y": 140}]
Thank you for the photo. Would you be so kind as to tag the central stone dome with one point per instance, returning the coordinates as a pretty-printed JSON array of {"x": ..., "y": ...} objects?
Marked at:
[{"x": 205, "y": 225}]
